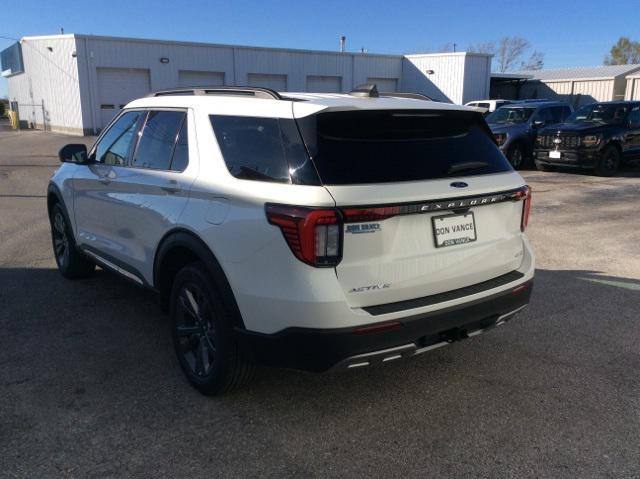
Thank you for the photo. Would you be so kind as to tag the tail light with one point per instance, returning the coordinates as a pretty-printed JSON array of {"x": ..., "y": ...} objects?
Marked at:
[
  {"x": 525, "y": 196},
  {"x": 314, "y": 235}
]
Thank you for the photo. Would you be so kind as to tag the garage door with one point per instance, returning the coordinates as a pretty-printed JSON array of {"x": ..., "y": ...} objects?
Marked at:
[
  {"x": 117, "y": 87},
  {"x": 324, "y": 84},
  {"x": 275, "y": 82},
  {"x": 200, "y": 78},
  {"x": 385, "y": 84}
]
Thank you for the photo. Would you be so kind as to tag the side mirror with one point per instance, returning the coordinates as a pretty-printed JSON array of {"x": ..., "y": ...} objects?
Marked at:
[
  {"x": 74, "y": 153},
  {"x": 538, "y": 124}
]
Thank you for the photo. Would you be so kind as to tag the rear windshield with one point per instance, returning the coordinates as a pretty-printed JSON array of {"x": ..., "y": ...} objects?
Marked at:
[{"x": 383, "y": 146}]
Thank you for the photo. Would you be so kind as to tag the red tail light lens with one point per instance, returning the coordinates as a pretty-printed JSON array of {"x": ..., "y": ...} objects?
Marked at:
[
  {"x": 314, "y": 236},
  {"x": 525, "y": 195},
  {"x": 357, "y": 215}
]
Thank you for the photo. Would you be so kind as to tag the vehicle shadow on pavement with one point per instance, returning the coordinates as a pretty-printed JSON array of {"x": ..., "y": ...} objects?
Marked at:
[{"x": 87, "y": 373}]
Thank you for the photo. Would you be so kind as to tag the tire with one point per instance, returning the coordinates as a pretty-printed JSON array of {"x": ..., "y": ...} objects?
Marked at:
[
  {"x": 516, "y": 156},
  {"x": 609, "y": 161},
  {"x": 72, "y": 264},
  {"x": 543, "y": 167},
  {"x": 203, "y": 336}
]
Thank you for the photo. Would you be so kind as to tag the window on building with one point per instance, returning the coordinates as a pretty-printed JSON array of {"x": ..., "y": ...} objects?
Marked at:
[{"x": 159, "y": 134}]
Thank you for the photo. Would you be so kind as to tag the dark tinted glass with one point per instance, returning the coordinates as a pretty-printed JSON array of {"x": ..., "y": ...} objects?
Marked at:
[
  {"x": 611, "y": 113},
  {"x": 399, "y": 145},
  {"x": 155, "y": 148},
  {"x": 114, "y": 146},
  {"x": 509, "y": 114},
  {"x": 544, "y": 115},
  {"x": 181, "y": 152},
  {"x": 634, "y": 116},
  {"x": 252, "y": 147}
]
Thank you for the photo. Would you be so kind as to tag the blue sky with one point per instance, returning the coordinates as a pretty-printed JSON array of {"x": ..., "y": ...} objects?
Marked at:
[{"x": 569, "y": 33}]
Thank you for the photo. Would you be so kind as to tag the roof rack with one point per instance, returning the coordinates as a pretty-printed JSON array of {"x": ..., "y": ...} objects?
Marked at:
[
  {"x": 369, "y": 90},
  {"x": 252, "y": 91},
  {"x": 414, "y": 96}
]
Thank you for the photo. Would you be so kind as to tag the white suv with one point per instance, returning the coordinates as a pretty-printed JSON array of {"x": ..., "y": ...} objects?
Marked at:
[{"x": 310, "y": 231}]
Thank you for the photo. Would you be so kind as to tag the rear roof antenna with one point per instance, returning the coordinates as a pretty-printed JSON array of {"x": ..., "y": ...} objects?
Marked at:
[{"x": 369, "y": 90}]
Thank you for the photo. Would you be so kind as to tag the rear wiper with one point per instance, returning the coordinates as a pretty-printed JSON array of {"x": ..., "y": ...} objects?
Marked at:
[{"x": 466, "y": 166}]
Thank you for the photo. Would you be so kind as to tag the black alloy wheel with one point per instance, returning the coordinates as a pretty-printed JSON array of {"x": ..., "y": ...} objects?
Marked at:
[
  {"x": 60, "y": 239},
  {"x": 194, "y": 331}
]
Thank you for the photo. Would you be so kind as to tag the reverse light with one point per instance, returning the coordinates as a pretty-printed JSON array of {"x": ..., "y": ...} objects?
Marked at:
[{"x": 313, "y": 235}]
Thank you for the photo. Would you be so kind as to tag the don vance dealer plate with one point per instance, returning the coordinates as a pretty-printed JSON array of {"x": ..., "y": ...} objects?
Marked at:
[{"x": 451, "y": 230}]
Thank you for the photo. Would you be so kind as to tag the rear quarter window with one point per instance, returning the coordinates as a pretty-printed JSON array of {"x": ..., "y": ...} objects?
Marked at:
[
  {"x": 382, "y": 146},
  {"x": 263, "y": 149}
]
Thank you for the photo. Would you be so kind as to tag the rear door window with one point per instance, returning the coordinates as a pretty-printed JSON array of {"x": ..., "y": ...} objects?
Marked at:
[
  {"x": 382, "y": 146},
  {"x": 159, "y": 135}
]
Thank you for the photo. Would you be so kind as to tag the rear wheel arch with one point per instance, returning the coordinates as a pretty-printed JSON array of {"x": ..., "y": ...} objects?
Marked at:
[{"x": 179, "y": 248}]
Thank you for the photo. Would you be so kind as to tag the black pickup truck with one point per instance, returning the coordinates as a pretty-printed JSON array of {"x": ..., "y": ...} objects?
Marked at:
[{"x": 599, "y": 137}]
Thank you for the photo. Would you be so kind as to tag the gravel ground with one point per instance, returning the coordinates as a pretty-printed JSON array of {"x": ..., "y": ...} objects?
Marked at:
[{"x": 89, "y": 386}]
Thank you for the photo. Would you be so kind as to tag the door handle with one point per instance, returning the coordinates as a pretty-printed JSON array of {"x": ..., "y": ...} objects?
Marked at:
[
  {"x": 104, "y": 180},
  {"x": 172, "y": 187}
]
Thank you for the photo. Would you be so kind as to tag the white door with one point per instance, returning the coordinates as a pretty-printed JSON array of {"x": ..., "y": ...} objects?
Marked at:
[
  {"x": 117, "y": 87},
  {"x": 188, "y": 78},
  {"x": 266, "y": 80},
  {"x": 324, "y": 84},
  {"x": 385, "y": 84}
]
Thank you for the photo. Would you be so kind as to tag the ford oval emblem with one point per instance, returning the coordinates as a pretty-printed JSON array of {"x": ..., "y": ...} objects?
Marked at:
[{"x": 459, "y": 184}]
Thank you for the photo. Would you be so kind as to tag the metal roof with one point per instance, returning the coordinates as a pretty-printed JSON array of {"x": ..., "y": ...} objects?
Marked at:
[{"x": 582, "y": 73}]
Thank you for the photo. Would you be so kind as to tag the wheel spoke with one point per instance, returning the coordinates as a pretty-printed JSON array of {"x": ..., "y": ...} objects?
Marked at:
[
  {"x": 187, "y": 307},
  {"x": 197, "y": 356},
  {"x": 204, "y": 355},
  {"x": 59, "y": 246},
  {"x": 59, "y": 224},
  {"x": 187, "y": 330}
]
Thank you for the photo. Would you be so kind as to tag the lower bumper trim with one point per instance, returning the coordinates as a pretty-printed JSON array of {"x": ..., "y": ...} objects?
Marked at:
[{"x": 319, "y": 350}]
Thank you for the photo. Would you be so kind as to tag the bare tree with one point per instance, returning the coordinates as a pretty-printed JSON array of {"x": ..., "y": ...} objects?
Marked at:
[
  {"x": 509, "y": 51},
  {"x": 535, "y": 62},
  {"x": 484, "y": 47},
  {"x": 624, "y": 52}
]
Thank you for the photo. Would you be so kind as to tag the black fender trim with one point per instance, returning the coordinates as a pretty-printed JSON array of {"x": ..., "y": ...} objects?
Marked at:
[{"x": 189, "y": 240}]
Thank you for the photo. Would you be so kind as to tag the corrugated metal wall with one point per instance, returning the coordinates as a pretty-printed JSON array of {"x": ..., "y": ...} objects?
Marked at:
[
  {"x": 576, "y": 92},
  {"x": 238, "y": 65},
  {"x": 50, "y": 78},
  {"x": 439, "y": 76},
  {"x": 477, "y": 77},
  {"x": 632, "y": 88}
]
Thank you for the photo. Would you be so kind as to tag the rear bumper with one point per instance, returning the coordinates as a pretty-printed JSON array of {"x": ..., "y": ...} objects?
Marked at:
[
  {"x": 580, "y": 158},
  {"x": 318, "y": 350}
]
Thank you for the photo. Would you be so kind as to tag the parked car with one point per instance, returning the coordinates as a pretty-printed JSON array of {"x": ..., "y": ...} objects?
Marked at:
[
  {"x": 299, "y": 230},
  {"x": 488, "y": 106},
  {"x": 515, "y": 127},
  {"x": 599, "y": 136}
]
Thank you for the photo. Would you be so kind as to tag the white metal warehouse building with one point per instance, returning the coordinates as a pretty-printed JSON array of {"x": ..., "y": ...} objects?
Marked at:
[
  {"x": 578, "y": 86},
  {"x": 76, "y": 83}
]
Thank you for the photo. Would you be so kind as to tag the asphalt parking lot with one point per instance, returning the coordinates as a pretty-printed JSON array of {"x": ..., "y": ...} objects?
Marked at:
[{"x": 89, "y": 386}]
